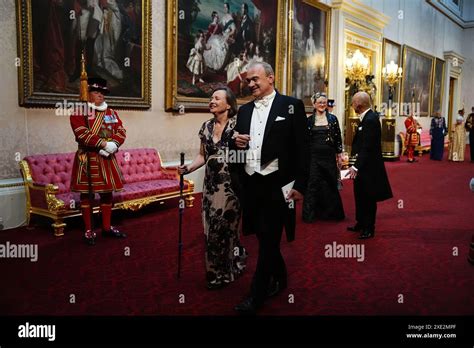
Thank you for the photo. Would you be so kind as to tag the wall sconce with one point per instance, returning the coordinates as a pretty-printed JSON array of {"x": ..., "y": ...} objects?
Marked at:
[{"x": 391, "y": 73}]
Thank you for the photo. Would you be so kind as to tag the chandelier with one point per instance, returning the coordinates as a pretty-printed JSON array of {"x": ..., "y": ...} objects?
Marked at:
[
  {"x": 357, "y": 66},
  {"x": 391, "y": 73}
]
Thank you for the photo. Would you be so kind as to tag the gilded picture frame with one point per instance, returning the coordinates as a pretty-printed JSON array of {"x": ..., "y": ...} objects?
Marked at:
[
  {"x": 209, "y": 44},
  {"x": 115, "y": 39},
  {"x": 438, "y": 87},
  {"x": 416, "y": 82},
  {"x": 391, "y": 51},
  {"x": 309, "y": 29}
]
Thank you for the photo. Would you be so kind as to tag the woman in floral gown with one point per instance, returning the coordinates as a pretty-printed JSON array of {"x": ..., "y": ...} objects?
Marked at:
[{"x": 225, "y": 257}]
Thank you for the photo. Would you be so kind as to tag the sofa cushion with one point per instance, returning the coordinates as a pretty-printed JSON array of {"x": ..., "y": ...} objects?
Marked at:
[
  {"x": 72, "y": 200},
  {"x": 147, "y": 188},
  {"x": 425, "y": 138},
  {"x": 52, "y": 169},
  {"x": 139, "y": 165}
]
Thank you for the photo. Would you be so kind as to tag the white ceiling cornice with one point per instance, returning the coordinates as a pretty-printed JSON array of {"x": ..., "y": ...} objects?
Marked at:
[
  {"x": 441, "y": 7},
  {"x": 363, "y": 12}
]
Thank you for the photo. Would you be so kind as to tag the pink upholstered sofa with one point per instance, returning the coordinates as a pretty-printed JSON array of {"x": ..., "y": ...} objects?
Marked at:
[
  {"x": 425, "y": 142},
  {"x": 47, "y": 183}
]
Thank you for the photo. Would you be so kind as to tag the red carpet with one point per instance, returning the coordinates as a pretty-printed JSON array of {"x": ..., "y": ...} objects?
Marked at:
[{"x": 411, "y": 257}]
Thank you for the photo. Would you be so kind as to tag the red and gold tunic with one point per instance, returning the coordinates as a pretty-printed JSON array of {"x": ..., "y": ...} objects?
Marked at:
[
  {"x": 412, "y": 137},
  {"x": 106, "y": 175}
]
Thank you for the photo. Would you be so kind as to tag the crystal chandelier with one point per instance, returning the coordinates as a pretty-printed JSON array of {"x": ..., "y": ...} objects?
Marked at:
[{"x": 357, "y": 66}]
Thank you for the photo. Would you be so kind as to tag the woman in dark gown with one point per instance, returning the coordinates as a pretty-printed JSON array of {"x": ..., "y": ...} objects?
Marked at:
[
  {"x": 438, "y": 130},
  {"x": 224, "y": 256},
  {"x": 322, "y": 199}
]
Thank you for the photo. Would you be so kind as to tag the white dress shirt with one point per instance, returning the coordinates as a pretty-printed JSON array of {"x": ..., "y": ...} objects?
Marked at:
[{"x": 257, "y": 130}]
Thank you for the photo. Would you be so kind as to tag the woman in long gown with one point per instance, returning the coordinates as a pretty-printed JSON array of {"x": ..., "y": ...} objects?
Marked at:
[
  {"x": 225, "y": 257},
  {"x": 437, "y": 131},
  {"x": 228, "y": 24},
  {"x": 457, "y": 144},
  {"x": 322, "y": 199},
  {"x": 215, "y": 56},
  {"x": 108, "y": 40}
]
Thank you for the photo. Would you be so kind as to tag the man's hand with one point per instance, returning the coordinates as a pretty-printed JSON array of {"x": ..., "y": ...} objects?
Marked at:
[
  {"x": 352, "y": 173},
  {"x": 294, "y": 195},
  {"x": 242, "y": 140}
]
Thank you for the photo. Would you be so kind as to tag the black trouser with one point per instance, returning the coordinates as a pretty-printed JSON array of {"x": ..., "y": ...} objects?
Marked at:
[
  {"x": 268, "y": 208},
  {"x": 366, "y": 207},
  {"x": 471, "y": 143}
]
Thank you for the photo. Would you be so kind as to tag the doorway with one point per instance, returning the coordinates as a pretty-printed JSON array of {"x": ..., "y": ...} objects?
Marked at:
[{"x": 452, "y": 81}]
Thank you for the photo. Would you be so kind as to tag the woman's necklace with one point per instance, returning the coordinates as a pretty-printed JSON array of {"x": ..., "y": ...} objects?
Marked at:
[{"x": 321, "y": 120}]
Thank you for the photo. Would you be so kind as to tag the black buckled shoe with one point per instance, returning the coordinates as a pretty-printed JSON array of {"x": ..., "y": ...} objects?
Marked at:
[
  {"x": 249, "y": 306},
  {"x": 366, "y": 234},
  {"x": 89, "y": 237},
  {"x": 113, "y": 233},
  {"x": 355, "y": 228}
]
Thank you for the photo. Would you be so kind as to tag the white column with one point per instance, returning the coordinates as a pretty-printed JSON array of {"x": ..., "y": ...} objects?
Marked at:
[{"x": 337, "y": 74}]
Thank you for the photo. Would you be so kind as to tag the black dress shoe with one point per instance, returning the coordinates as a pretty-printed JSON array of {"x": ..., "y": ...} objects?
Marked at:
[
  {"x": 89, "y": 237},
  {"x": 248, "y": 306},
  {"x": 275, "y": 287},
  {"x": 355, "y": 228},
  {"x": 114, "y": 233},
  {"x": 365, "y": 234}
]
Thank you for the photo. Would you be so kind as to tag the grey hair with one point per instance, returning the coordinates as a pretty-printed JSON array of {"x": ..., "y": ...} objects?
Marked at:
[
  {"x": 318, "y": 95},
  {"x": 267, "y": 67}
]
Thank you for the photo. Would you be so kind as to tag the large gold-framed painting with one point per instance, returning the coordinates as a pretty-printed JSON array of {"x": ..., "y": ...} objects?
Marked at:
[
  {"x": 210, "y": 43},
  {"x": 438, "y": 87},
  {"x": 113, "y": 35},
  {"x": 392, "y": 51},
  {"x": 308, "y": 49},
  {"x": 416, "y": 82}
]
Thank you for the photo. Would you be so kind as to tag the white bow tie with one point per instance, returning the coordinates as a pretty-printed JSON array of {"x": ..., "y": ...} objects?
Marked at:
[{"x": 260, "y": 103}]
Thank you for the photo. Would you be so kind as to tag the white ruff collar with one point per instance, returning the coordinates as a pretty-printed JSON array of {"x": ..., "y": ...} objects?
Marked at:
[{"x": 101, "y": 107}]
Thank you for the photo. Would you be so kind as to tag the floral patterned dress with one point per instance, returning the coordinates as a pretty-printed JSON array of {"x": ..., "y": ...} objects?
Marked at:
[{"x": 221, "y": 210}]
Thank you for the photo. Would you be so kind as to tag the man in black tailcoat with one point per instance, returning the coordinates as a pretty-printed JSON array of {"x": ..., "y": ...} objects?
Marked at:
[
  {"x": 371, "y": 183},
  {"x": 273, "y": 130}
]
